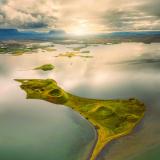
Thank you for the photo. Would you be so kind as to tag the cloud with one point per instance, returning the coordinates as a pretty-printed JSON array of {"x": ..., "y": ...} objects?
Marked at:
[
  {"x": 27, "y": 14},
  {"x": 98, "y": 16},
  {"x": 151, "y": 7},
  {"x": 130, "y": 20},
  {"x": 34, "y": 25}
]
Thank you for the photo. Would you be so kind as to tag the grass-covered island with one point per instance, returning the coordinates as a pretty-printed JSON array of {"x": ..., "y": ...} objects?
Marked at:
[
  {"x": 73, "y": 54},
  {"x": 18, "y": 48},
  {"x": 111, "y": 118},
  {"x": 45, "y": 67}
]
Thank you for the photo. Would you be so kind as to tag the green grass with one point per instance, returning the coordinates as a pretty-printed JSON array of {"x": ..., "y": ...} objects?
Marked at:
[
  {"x": 68, "y": 54},
  {"x": 14, "y": 48},
  {"x": 21, "y": 48},
  {"x": 111, "y": 118},
  {"x": 45, "y": 67},
  {"x": 79, "y": 48},
  {"x": 85, "y": 51},
  {"x": 73, "y": 54}
]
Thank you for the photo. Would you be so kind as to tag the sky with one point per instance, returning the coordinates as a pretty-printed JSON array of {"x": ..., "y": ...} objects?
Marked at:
[{"x": 80, "y": 16}]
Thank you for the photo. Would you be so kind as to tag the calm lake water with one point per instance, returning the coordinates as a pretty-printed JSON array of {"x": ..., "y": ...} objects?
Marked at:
[{"x": 35, "y": 129}]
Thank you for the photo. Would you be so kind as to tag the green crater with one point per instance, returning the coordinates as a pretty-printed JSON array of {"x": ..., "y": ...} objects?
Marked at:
[{"x": 111, "y": 118}]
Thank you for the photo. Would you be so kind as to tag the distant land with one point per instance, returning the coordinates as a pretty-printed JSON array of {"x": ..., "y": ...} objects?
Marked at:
[
  {"x": 14, "y": 34},
  {"x": 113, "y": 37}
]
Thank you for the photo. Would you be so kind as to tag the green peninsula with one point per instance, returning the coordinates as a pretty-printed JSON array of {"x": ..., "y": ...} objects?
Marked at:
[
  {"x": 111, "y": 118},
  {"x": 45, "y": 67}
]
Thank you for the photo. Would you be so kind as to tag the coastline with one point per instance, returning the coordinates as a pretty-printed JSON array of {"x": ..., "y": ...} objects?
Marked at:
[
  {"x": 124, "y": 113},
  {"x": 118, "y": 136},
  {"x": 92, "y": 155},
  {"x": 94, "y": 129},
  {"x": 95, "y": 141},
  {"x": 135, "y": 129}
]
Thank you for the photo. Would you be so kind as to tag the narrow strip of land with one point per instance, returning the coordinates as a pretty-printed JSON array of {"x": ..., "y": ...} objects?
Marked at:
[{"x": 111, "y": 118}]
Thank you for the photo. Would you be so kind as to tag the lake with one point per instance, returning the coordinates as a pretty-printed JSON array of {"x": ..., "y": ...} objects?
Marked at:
[{"x": 35, "y": 129}]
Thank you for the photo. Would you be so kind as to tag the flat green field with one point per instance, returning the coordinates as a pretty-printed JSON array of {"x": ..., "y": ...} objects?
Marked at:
[{"x": 111, "y": 118}]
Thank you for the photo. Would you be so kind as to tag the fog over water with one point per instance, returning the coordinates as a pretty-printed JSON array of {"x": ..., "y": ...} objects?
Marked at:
[{"x": 116, "y": 71}]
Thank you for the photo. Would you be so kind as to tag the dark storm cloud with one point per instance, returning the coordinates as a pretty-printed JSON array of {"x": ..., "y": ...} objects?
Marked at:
[{"x": 34, "y": 25}]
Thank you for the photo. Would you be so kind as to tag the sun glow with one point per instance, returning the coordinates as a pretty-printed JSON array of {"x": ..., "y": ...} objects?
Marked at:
[{"x": 81, "y": 29}]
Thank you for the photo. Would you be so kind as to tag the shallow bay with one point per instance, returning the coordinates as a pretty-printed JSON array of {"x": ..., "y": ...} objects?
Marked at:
[{"x": 38, "y": 129}]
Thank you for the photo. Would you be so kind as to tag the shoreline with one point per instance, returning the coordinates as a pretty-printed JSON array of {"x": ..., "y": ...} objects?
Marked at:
[
  {"x": 114, "y": 140},
  {"x": 110, "y": 139},
  {"x": 95, "y": 131},
  {"x": 111, "y": 119},
  {"x": 95, "y": 141}
]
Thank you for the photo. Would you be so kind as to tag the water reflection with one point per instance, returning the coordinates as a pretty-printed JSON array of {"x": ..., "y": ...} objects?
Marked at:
[
  {"x": 33, "y": 129},
  {"x": 115, "y": 71}
]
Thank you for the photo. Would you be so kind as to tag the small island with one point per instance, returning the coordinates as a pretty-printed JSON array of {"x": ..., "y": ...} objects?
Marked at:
[
  {"x": 23, "y": 47},
  {"x": 85, "y": 51},
  {"x": 111, "y": 118},
  {"x": 45, "y": 67},
  {"x": 68, "y": 54},
  {"x": 74, "y": 54}
]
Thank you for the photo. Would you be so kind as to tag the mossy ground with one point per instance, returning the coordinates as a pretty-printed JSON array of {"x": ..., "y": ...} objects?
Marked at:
[
  {"x": 68, "y": 54},
  {"x": 16, "y": 48},
  {"x": 73, "y": 54},
  {"x": 45, "y": 67},
  {"x": 85, "y": 51},
  {"x": 111, "y": 118}
]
